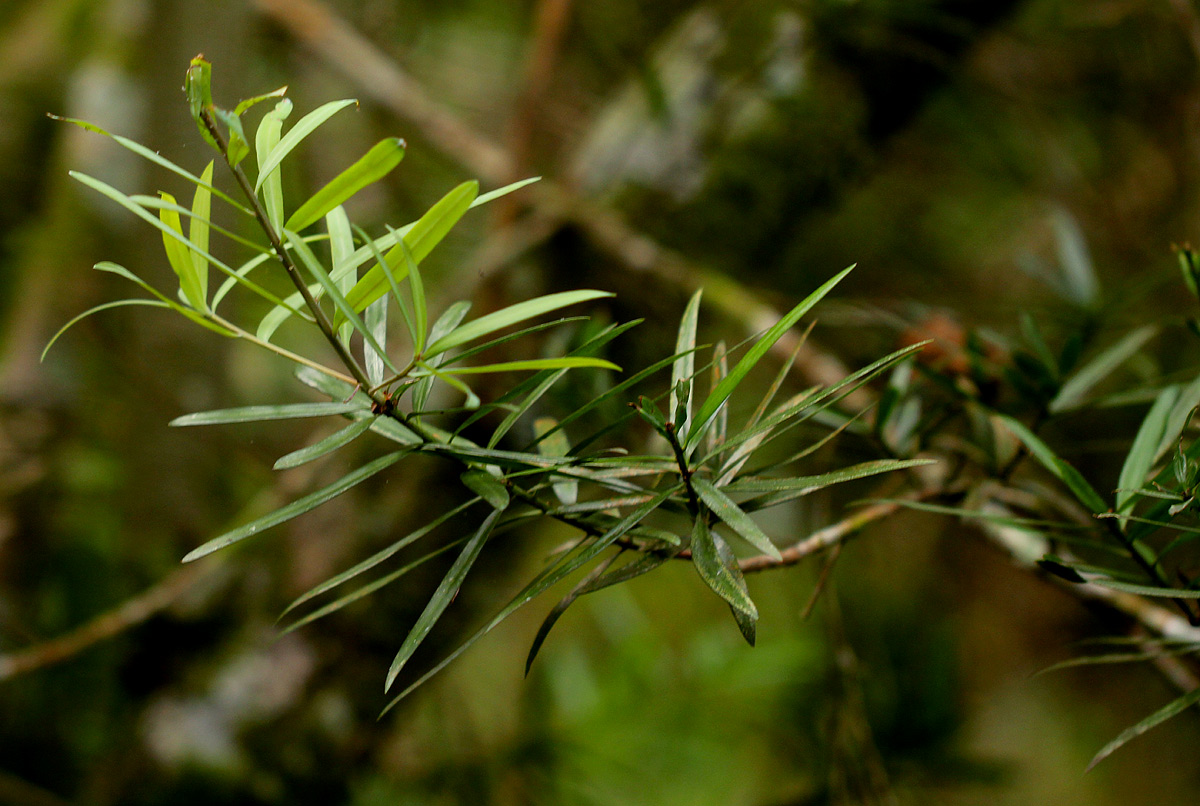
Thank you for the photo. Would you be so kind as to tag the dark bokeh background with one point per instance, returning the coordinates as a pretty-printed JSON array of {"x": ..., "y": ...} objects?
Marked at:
[{"x": 960, "y": 152}]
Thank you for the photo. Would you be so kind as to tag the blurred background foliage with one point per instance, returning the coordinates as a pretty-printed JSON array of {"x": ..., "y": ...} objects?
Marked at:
[{"x": 956, "y": 150}]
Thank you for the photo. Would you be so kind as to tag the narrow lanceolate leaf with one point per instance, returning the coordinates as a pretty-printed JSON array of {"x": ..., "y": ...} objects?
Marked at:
[
  {"x": 1176, "y": 707},
  {"x": 506, "y": 317},
  {"x": 1074, "y": 392},
  {"x": 153, "y": 303},
  {"x": 375, "y": 318},
  {"x": 310, "y": 262},
  {"x": 419, "y": 240},
  {"x": 247, "y": 103},
  {"x": 584, "y": 586},
  {"x": 733, "y": 517},
  {"x": 684, "y": 367},
  {"x": 198, "y": 318},
  {"x": 371, "y": 167},
  {"x": 776, "y": 491},
  {"x": 445, "y": 593},
  {"x": 747, "y": 623},
  {"x": 303, "y": 128},
  {"x": 492, "y": 195},
  {"x": 1142, "y": 453},
  {"x": 180, "y": 257},
  {"x": 487, "y": 487},
  {"x": 579, "y": 362},
  {"x": 265, "y": 140},
  {"x": 1181, "y": 413},
  {"x": 1148, "y": 590},
  {"x": 296, "y": 508},
  {"x": 707, "y": 560},
  {"x": 378, "y": 557},
  {"x": 341, "y": 247},
  {"x": 254, "y": 414},
  {"x": 1078, "y": 485},
  {"x": 331, "y": 443},
  {"x": 198, "y": 228},
  {"x": 156, "y": 158},
  {"x": 547, "y": 579},
  {"x": 721, "y": 393}
]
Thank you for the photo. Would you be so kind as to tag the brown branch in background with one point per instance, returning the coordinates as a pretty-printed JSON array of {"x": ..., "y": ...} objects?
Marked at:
[
  {"x": 128, "y": 614},
  {"x": 378, "y": 75},
  {"x": 549, "y": 32}
]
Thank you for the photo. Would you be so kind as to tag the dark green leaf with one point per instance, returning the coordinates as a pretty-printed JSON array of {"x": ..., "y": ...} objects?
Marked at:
[
  {"x": 331, "y": 443},
  {"x": 707, "y": 560},
  {"x": 297, "y": 507},
  {"x": 487, "y": 487},
  {"x": 733, "y": 517},
  {"x": 254, "y": 414},
  {"x": 445, "y": 593},
  {"x": 1176, "y": 707}
]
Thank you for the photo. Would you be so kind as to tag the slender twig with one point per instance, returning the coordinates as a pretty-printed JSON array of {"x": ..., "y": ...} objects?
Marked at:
[{"x": 128, "y": 614}]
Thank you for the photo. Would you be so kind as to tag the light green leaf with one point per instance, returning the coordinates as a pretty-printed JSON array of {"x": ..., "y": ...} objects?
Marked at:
[
  {"x": 180, "y": 257},
  {"x": 177, "y": 234},
  {"x": 420, "y": 239},
  {"x": 377, "y": 163},
  {"x": 506, "y": 317},
  {"x": 1141, "y": 454},
  {"x": 492, "y": 195},
  {"x": 157, "y": 159},
  {"x": 153, "y": 303},
  {"x": 580, "y": 362},
  {"x": 341, "y": 246},
  {"x": 375, "y": 318},
  {"x": 198, "y": 227},
  {"x": 265, "y": 140},
  {"x": 717, "y": 398},
  {"x": 184, "y": 311},
  {"x": 552, "y": 441},
  {"x": 327, "y": 445},
  {"x": 1176, "y": 707},
  {"x": 707, "y": 561},
  {"x": 780, "y": 490},
  {"x": 245, "y": 104},
  {"x": 733, "y": 517},
  {"x": 300, "y": 249},
  {"x": 445, "y": 593},
  {"x": 296, "y": 508},
  {"x": 683, "y": 369},
  {"x": 304, "y": 127},
  {"x": 1075, "y": 390},
  {"x": 197, "y": 86},
  {"x": 255, "y": 414}
]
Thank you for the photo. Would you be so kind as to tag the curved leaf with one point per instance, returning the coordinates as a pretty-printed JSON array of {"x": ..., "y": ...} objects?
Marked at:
[
  {"x": 371, "y": 167},
  {"x": 303, "y": 128}
]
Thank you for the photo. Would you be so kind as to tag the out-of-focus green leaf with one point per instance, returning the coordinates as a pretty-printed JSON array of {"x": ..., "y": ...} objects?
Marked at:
[
  {"x": 238, "y": 147},
  {"x": 1076, "y": 483},
  {"x": 445, "y": 593},
  {"x": 255, "y": 414},
  {"x": 297, "y": 507},
  {"x": 1148, "y": 590},
  {"x": 733, "y": 517},
  {"x": 1075, "y": 390},
  {"x": 487, "y": 487},
  {"x": 556, "y": 612},
  {"x": 303, "y": 128},
  {"x": 377, "y": 163},
  {"x": 1175, "y": 708},
  {"x": 329, "y": 444},
  {"x": 718, "y": 396},
  {"x": 1141, "y": 454},
  {"x": 707, "y": 561},
  {"x": 1181, "y": 412},
  {"x": 153, "y": 303},
  {"x": 556, "y": 444}
]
